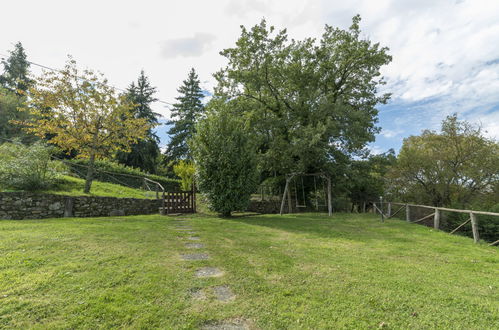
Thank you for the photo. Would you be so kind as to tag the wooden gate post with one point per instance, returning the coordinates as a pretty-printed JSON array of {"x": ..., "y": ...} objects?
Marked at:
[
  {"x": 474, "y": 227},
  {"x": 389, "y": 211},
  {"x": 407, "y": 213},
  {"x": 374, "y": 208},
  {"x": 436, "y": 219}
]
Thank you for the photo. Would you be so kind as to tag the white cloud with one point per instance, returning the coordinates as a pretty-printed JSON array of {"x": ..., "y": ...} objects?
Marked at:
[{"x": 190, "y": 46}]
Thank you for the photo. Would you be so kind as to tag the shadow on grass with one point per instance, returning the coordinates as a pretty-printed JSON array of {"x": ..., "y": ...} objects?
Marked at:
[{"x": 356, "y": 227}]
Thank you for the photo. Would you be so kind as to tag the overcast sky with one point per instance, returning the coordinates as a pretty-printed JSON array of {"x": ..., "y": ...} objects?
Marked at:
[{"x": 445, "y": 52}]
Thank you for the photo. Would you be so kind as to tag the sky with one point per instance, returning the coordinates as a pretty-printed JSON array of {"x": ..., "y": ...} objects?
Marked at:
[{"x": 445, "y": 52}]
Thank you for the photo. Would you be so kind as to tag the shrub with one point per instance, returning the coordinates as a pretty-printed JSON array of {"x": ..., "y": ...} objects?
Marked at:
[
  {"x": 29, "y": 168},
  {"x": 185, "y": 171},
  {"x": 225, "y": 162}
]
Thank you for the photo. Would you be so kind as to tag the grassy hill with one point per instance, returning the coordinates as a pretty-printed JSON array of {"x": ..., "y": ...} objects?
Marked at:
[
  {"x": 71, "y": 186},
  {"x": 304, "y": 271}
]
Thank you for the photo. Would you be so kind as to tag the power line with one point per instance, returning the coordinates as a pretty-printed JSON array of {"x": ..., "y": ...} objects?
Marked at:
[{"x": 57, "y": 70}]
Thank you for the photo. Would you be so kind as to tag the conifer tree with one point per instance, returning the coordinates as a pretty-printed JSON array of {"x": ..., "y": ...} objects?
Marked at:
[
  {"x": 16, "y": 70},
  {"x": 184, "y": 116},
  {"x": 144, "y": 154}
]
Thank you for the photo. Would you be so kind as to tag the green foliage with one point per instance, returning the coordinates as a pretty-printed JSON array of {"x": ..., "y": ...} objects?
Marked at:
[
  {"x": 78, "y": 110},
  {"x": 16, "y": 71},
  {"x": 145, "y": 153},
  {"x": 308, "y": 102},
  {"x": 120, "y": 174},
  {"x": 185, "y": 171},
  {"x": 28, "y": 168},
  {"x": 185, "y": 114},
  {"x": 455, "y": 167},
  {"x": 366, "y": 178},
  {"x": 9, "y": 102},
  {"x": 225, "y": 160}
]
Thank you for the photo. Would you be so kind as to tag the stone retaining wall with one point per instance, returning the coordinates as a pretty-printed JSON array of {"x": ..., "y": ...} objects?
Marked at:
[{"x": 23, "y": 205}]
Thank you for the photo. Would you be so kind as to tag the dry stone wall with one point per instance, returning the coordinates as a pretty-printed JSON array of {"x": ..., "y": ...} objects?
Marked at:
[{"x": 22, "y": 205}]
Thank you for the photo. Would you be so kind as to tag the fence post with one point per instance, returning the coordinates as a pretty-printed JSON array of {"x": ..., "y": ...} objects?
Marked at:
[
  {"x": 389, "y": 211},
  {"x": 474, "y": 227},
  {"x": 374, "y": 207},
  {"x": 407, "y": 213},
  {"x": 436, "y": 219}
]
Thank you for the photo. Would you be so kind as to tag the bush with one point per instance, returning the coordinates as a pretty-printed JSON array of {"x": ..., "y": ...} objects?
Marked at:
[
  {"x": 119, "y": 174},
  {"x": 225, "y": 162},
  {"x": 28, "y": 168},
  {"x": 185, "y": 171}
]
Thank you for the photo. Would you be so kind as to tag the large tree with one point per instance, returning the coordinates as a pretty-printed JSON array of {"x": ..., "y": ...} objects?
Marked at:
[
  {"x": 78, "y": 110},
  {"x": 15, "y": 76},
  {"x": 185, "y": 113},
  {"x": 143, "y": 154},
  {"x": 310, "y": 102},
  {"x": 454, "y": 166}
]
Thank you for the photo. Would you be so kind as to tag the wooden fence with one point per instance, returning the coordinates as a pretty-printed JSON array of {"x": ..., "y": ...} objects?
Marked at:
[
  {"x": 436, "y": 215},
  {"x": 179, "y": 202}
]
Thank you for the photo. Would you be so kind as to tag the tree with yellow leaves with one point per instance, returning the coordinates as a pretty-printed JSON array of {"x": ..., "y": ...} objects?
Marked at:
[{"x": 78, "y": 110}]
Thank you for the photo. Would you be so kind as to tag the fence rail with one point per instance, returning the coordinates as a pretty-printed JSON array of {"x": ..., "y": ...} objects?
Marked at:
[{"x": 436, "y": 215}]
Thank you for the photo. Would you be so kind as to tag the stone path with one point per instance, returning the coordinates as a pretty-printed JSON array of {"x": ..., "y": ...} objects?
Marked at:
[{"x": 221, "y": 293}]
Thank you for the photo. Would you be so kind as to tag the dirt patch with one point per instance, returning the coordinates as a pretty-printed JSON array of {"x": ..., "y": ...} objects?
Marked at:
[
  {"x": 194, "y": 245},
  {"x": 224, "y": 293},
  {"x": 235, "y": 324},
  {"x": 209, "y": 272},
  {"x": 195, "y": 256}
]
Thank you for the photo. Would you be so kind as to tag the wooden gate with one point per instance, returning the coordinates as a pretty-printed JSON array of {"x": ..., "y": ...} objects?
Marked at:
[{"x": 179, "y": 202}]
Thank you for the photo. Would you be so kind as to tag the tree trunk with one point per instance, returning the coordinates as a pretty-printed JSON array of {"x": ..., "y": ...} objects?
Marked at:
[{"x": 90, "y": 174}]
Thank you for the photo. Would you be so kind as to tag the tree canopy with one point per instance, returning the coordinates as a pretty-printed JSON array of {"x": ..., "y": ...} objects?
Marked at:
[
  {"x": 185, "y": 114},
  {"x": 309, "y": 102},
  {"x": 143, "y": 154},
  {"x": 15, "y": 76},
  {"x": 454, "y": 166},
  {"x": 79, "y": 110}
]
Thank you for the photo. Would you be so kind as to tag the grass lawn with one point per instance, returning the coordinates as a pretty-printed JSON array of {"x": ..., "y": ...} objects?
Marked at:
[
  {"x": 299, "y": 271},
  {"x": 71, "y": 186}
]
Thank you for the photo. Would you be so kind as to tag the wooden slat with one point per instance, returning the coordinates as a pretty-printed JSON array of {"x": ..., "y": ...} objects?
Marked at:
[
  {"x": 423, "y": 218},
  {"x": 448, "y": 209},
  {"x": 452, "y": 232}
]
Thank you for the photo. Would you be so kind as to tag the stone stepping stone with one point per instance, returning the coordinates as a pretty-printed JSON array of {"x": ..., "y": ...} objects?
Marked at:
[
  {"x": 193, "y": 238},
  {"x": 194, "y": 245},
  {"x": 227, "y": 325},
  {"x": 195, "y": 256},
  {"x": 209, "y": 272},
  {"x": 197, "y": 293},
  {"x": 223, "y": 293}
]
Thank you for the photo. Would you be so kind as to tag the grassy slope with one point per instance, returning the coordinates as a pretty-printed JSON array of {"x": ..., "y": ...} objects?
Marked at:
[
  {"x": 299, "y": 271},
  {"x": 71, "y": 186}
]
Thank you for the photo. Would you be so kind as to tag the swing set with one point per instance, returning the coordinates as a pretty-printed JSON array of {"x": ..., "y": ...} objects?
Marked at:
[{"x": 302, "y": 203}]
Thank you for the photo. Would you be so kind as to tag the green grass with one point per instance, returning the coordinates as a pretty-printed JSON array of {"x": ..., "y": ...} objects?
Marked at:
[
  {"x": 300, "y": 271},
  {"x": 71, "y": 186}
]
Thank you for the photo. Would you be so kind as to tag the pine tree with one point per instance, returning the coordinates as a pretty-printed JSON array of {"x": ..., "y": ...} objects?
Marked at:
[
  {"x": 16, "y": 71},
  {"x": 184, "y": 116},
  {"x": 144, "y": 154}
]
